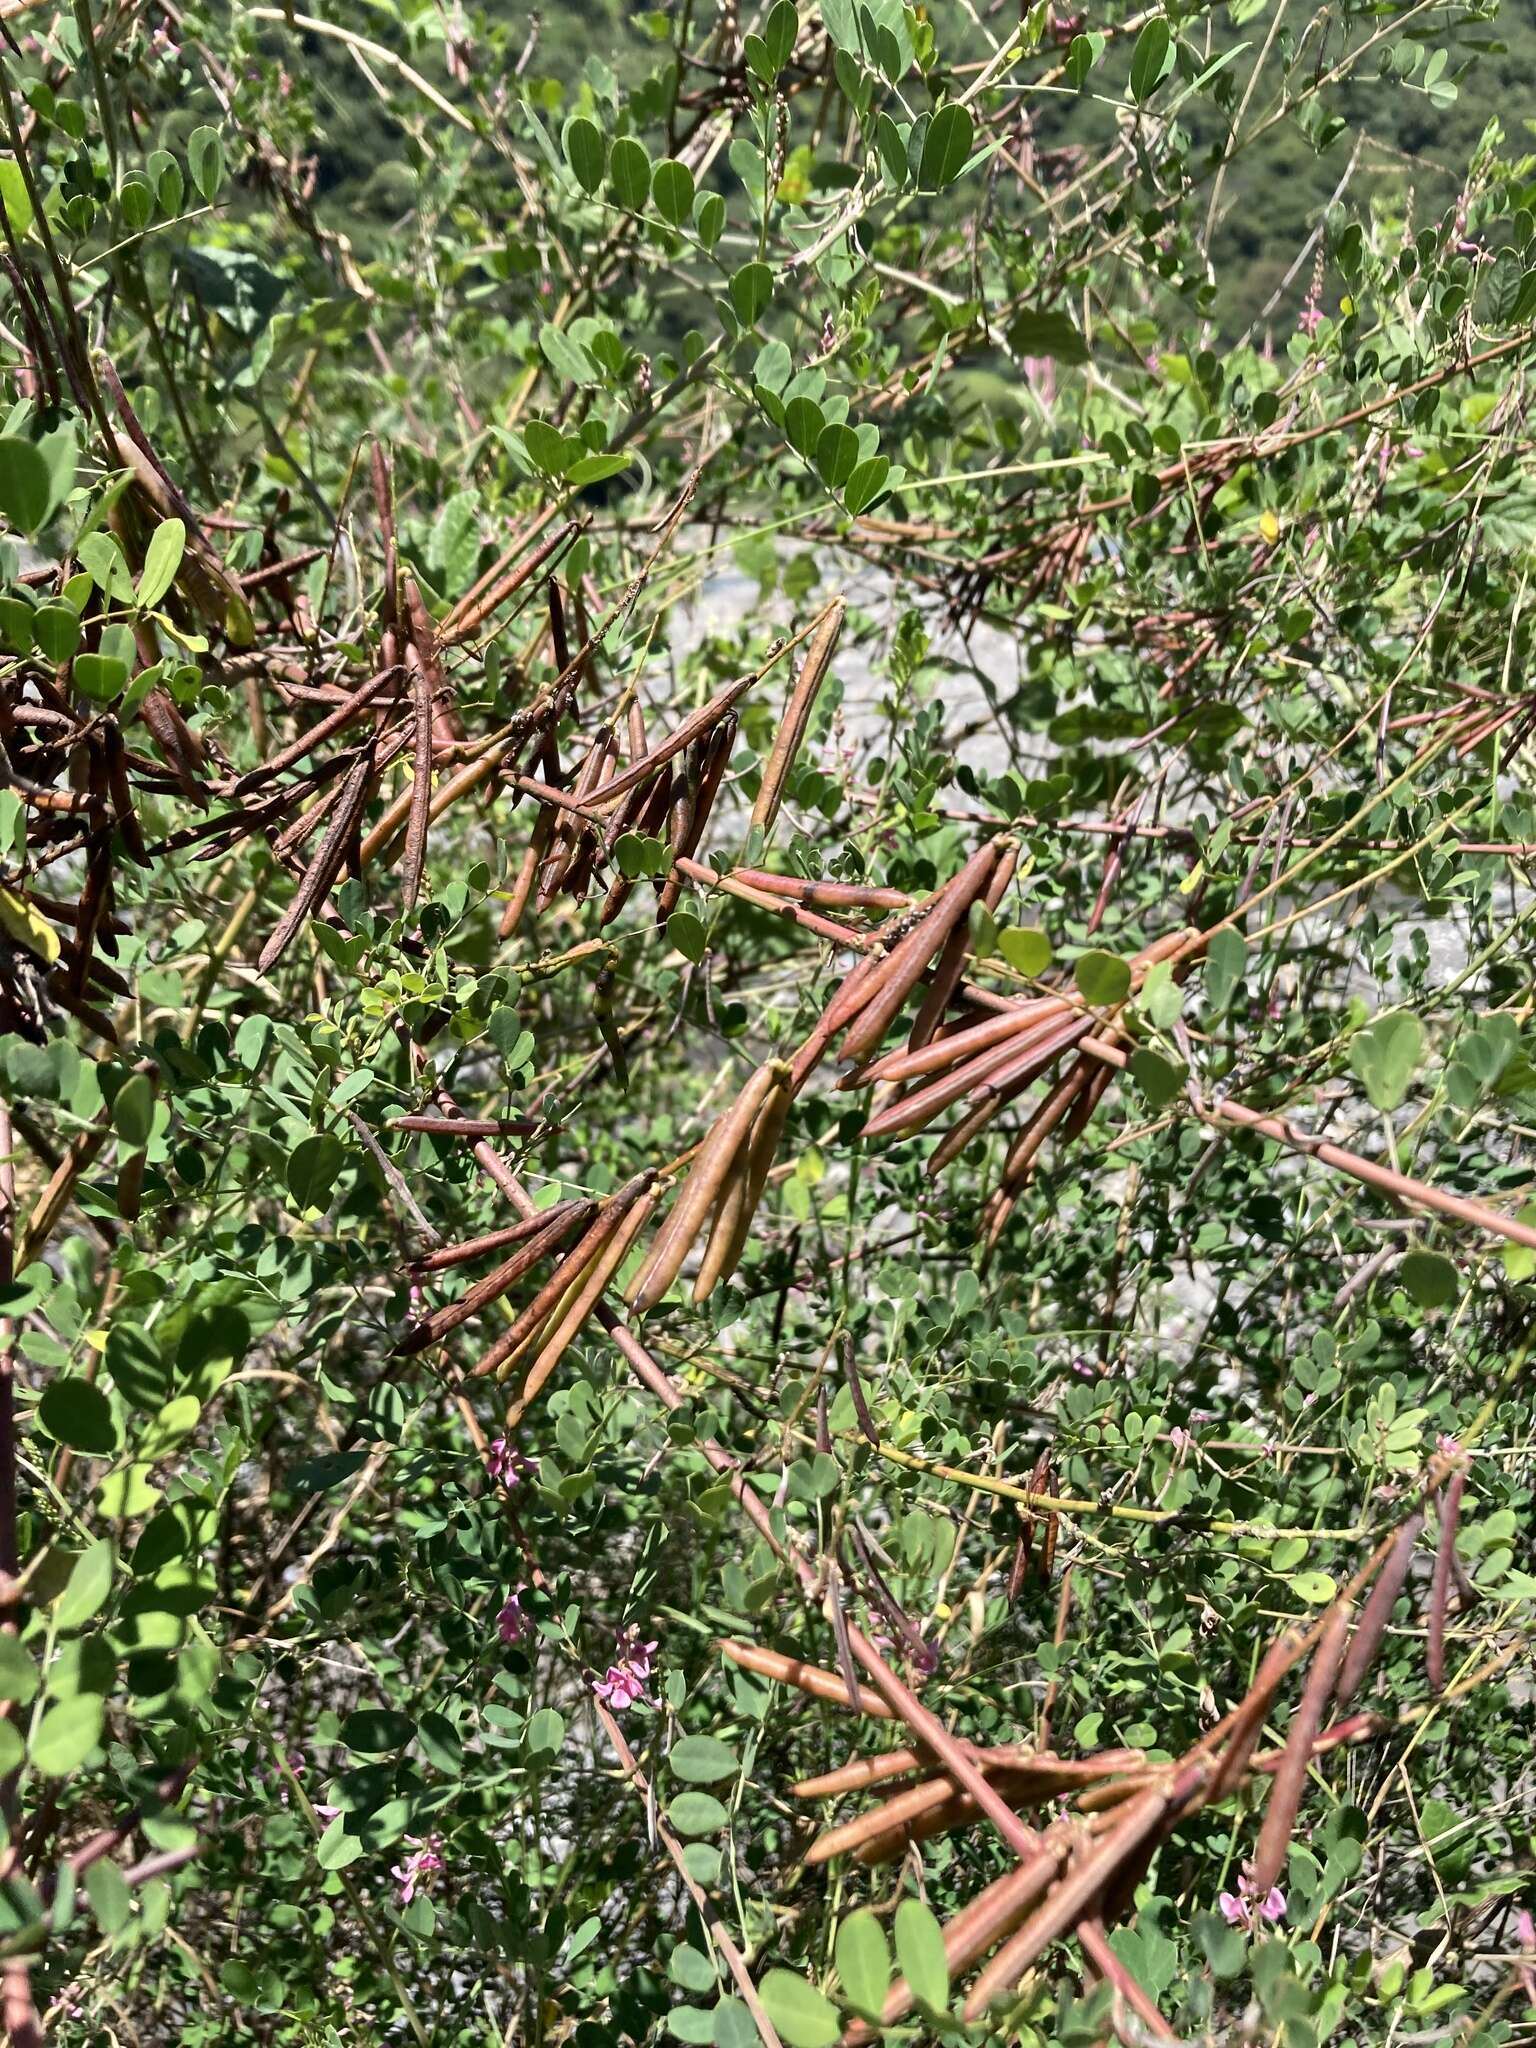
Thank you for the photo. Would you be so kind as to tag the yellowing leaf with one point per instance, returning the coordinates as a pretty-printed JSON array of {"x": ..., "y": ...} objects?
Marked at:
[{"x": 28, "y": 928}]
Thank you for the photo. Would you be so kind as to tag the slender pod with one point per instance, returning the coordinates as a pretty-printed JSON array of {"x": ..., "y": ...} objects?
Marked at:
[
  {"x": 1377, "y": 1612},
  {"x": 913, "y": 953},
  {"x": 797, "y": 717},
  {"x": 419, "y": 662},
  {"x": 959, "y": 1045},
  {"x": 525, "y": 1328},
  {"x": 807, "y": 1678},
  {"x": 819, "y": 895},
  {"x": 701, "y": 1188},
  {"x": 738, "y": 1205},
  {"x": 946, "y": 975},
  {"x": 1296, "y": 1757},
  {"x": 714, "y": 757},
  {"x": 495, "y": 1284},
  {"x": 450, "y": 1255},
  {"x": 1440, "y": 1588},
  {"x": 326, "y": 865},
  {"x": 568, "y": 1322}
]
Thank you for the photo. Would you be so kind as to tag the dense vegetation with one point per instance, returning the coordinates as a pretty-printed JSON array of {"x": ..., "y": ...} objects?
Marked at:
[{"x": 766, "y": 1065}]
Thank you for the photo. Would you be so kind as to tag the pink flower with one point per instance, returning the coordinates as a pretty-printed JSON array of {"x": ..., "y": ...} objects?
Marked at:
[
  {"x": 1311, "y": 318},
  {"x": 1180, "y": 1438},
  {"x": 412, "y": 1874},
  {"x": 512, "y": 1624},
  {"x": 507, "y": 1465},
  {"x": 1243, "y": 1907},
  {"x": 631, "y": 1667}
]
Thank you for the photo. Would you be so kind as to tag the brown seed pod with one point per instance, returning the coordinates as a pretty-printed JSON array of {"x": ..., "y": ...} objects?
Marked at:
[
  {"x": 1067, "y": 1901},
  {"x": 1377, "y": 1612},
  {"x": 713, "y": 757},
  {"x": 566, "y": 1325},
  {"x": 709, "y": 1170},
  {"x": 739, "y": 1199},
  {"x": 913, "y": 953},
  {"x": 946, "y": 975},
  {"x": 956, "y": 1046},
  {"x": 326, "y": 865},
  {"x": 807, "y": 1678},
  {"x": 822, "y": 895},
  {"x": 525, "y": 1328},
  {"x": 557, "y": 1228},
  {"x": 797, "y": 716},
  {"x": 1440, "y": 1589},
  {"x": 420, "y": 661},
  {"x": 450, "y": 1255},
  {"x": 1296, "y": 1757}
]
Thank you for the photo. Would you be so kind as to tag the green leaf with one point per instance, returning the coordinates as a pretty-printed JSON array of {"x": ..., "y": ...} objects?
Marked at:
[
  {"x": 799, "y": 2012},
  {"x": 1053, "y": 334},
  {"x": 89, "y": 1585},
  {"x": 672, "y": 190},
  {"x": 1025, "y": 948},
  {"x": 162, "y": 558},
  {"x": 1158, "y": 1079},
  {"x": 1152, "y": 59},
  {"x": 546, "y": 1732},
  {"x": 864, "y": 1962},
  {"x": 1226, "y": 958},
  {"x": 1429, "y": 1278},
  {"x": 946, "y": 147},
  {"x": 549, "y": 449},
  {"x": 703, "y": 1759},
  {"x": 107, "y": 1890},
  {"x": 1103, "y": 979},
  {"x": 697, "y": 1813},
  {"x": 314, "y": 1165},
  {"x": 751, "y": 289},
  {"x": 629, "y": 174},
  {"x": 56, "y": 629},
  {"x": 596, "y": 469},
  {"x": 920, "y": 1952},
  {"x": 1316, "y": 1588},
  {"x": 205, "y": 160},
  {"x": 803, "y": 422},
  {"x": 26, "y": 488},
  {"x": 690, "y": 1968},
  {"x": 67, "y": 1734},
  {"x": 1386, "y": 1056},
  {"x": 865, "y": 484},
  {"x": 837, "y": 455},
  {"x": 78, "y": 1413},
  {"x": 377, "y": 1731},
  {"x": 100, "y": 676},
  {"x": 779, "y": 33},
  {"x": 19, "y": 1677},
  {"x": 584, "y": 151},
  {"x": 566, "y": 356},
  {"x": 133, "y": 1110}
]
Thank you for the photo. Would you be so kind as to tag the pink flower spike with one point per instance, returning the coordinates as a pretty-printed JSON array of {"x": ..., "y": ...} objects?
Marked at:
[
  {"x": 506, "y": 1464},
  {"x": 412, "y": 1874},
  {"x": 625, "y": 1683},
  {"x": 512, "y": 1624}
]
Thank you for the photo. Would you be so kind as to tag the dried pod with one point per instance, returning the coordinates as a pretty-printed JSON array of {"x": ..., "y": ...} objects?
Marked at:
[
  {"x": 1296, "y": 1757},
  {"x": 797, "y": 716},
  {"x": 710, "y": 1169},
  {"x": 1440, "y": 1588},
  {"x": 913, "y": 953},
  {"x": 1377, "y": 1612},
  {"x": 558, "y": 1226},
  {"x": 744, "y": 1190},
  {"x": 807, "y": 1678},
  {"x": 566, "y": 1325}
]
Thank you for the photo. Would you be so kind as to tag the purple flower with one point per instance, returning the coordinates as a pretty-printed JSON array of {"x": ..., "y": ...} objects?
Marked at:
[
  {"x": 507, "y": 1465},
  {"x": 512, "y": 1624},
  {"x": 1311, "y": 319},
  {"x": 1243, "y": 1908},
  {"x": 1180, "y": 1438},
  {"x": 422, "y": 1863},
  {"x": 627, "y": 1674}
]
